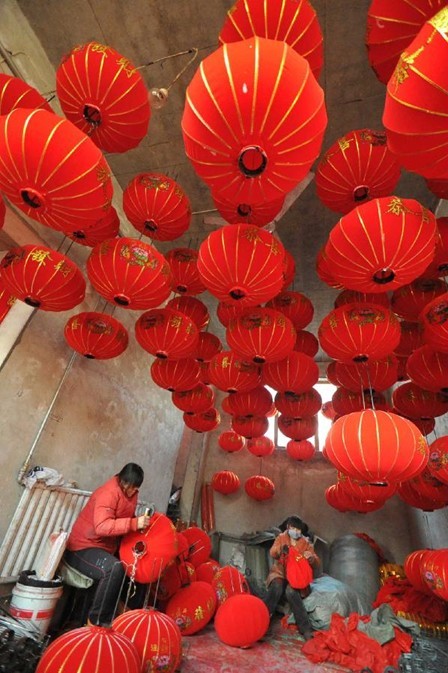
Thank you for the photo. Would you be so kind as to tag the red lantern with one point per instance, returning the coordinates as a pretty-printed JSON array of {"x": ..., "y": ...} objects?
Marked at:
[
  {"x": 261, "y": 446},
  {"x": 294, "y": 306},
  {"x": 359, "y": 332},
  {"x": 429, "y": 369},
  {"x": 239, "y": 141},
  {"x": 255, "y": 402},
  {"x": 194, "y": 401},
  {"x": 15, "y": 93},
  {"x": 170, "y": 580},
  {"x": 402, "y": 374},
  {"x": 376, "y": 446},
  {"x": 7, "y": 301},
  {"x": 409, "y": 300},
  {"x": 129, "y": 273},
  {"x": 390, "y": 29},
  {"x": 411, "y": 338},
  {"x": 208, "y": 346},
  {"x": 184, "y": 271},
  {"x": 104, "y": 95},
  {"x": 231, "y": 441},
  {"x": 96, "y": 335},
  {"x": 107, "y": 227},
  {"x": 200, "y": 546},
  {"x": 227, "y": 312},
  {"x": 259, "y": 487},
  {"x": 206, "y": 571},
  {"x": 258, "y": 214},
  {"x": 242, "y": 264},
  {"x": 231, "y": 374},
  {"x": 261, "y": 335},
  {"x": 204, "y": 376},
  {"x": 346, "y": 401},
  {"x": 192, "y": 607},
  {"x": 225, "y": 406},
  {"x": 439, "y": 265},
  {"x": 435, "y": 572},
  {"x": 193, "y": 308},
  {"x": 430, "y": 487},
  {"x": 331, "y": 374},
  {"x": 408, "y": 493},
  {"x": 344, "y": 502},
  {"x": 439, "y": 188},
  {"x": 378, "y": 491},
  {"x": 166, "y": 333},
  {"x": 434, "y": 318},
  {"x": 357, "y": 168},
  {"x": 289, "y": 271},
  {"x": 354, "y": 297},
  {"x": 249, "y": 427},
  {"x": 297, "y": 25},
  {"x": 155, "y": 635},
  {"x": 306, "y": 343},
  {"x": 227, "y": 582},
  {"x": 300, "y": 449},
  {"x": 371, "y": 375},
  {"x": 305, "y": 405},
  {"x": 411, "y": 400},
  {"x": 328, "y": 411},
  {"x": 414, "y": 569},
  {"x": 297, "y": 428},
  {"x": 225, "y": 482},
  {"x": 175, "y": 375},
  {"x": 90, "y": 648},
  {"x": 150, "y": 550},
  {"x": 295, "y": 374},
  {"x": 52, "y": 171},
  {"x": 382, "y": 244},
  {"x": 241, "y": 620},
  {"x": 156, "y": 206},
  {"x": 438, "y": 458},
  {"x": 203, "y": 422},
  {"x": 323, "y": 270},
  {"x": 42, "y": 278}
]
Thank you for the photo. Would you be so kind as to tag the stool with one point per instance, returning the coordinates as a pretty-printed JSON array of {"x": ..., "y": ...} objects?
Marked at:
[{"x": 75, "y": 603}]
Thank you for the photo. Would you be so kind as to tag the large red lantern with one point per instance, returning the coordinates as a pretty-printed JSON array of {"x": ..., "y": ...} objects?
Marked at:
[
  {"x": 193, "y": 308},
  {"x": 301, "y": 405},
  {"x": 300, "y": 449},
  {"x": 208, "y": 346},
  {"x": 166, "y": 333},
  {"x": 429, "y": 369},
  {"x": 371, "y": 375},
  {"x": 184, "y": 271},
  {"x": 259, "y": 487},
  {"x": 200, "y": 546},
  {"x": 194, "y": 401},
  {"x": 206, "y": 571},
  {"x": 415, "y": 105},
  {"x": 261, "y": 446},
  {"x": 155, "y": 635},
  {"x": 250, "y": 426},
  {"x": 107, "y": 227},
  {"x": 376, "y": 446},
  {"x": 411, "y": 400},
  {"x": 192, "y": 607},
  {"x": 297, "y": 373},
  {"x": 42, "y": 278},
  {"x": 254, "y": 119},
  {"x": 255, "y": 402},
  {"x": 411, "y": 496},
  {"x": 390, "y": 29},
  {"x": 156, "y": 206},
  {"x": 227, "y": 582},
  {"x": 175, "y": 375},
  {"x": 355, "y": 297},
  {"x": 242, "y": 264},
  {"x": 261, "y": 335},
  {"x": 145, "y": 554},
  {"x": 225, "y": 482},
  {"x": 294, "y": 23},
  {"x": 434, "y": 318},
  {"x": 129, "y": 273},
  {"x": 231, "y": 441},
  {"x": 346, "y": 401},
  {"x": 241, "y": 620},
  {"x": 90, "y": 648},
  {"x": 411, "y": 338},
  {"x": 96, "y": 335},
  {"x": 7, "y": 301},
  {"x": 206, "y": 421},
  {"x": 365, "y": 490},
  {"x": 438, "y": 458},
  {"x": 409, "y": 300},
  {"x": 306, "y": 343},
  {"x": 357, "y": 168},
  {"x": 231, "y": 374},
  {"x": 414, "y": 568},
  {"x": 359, "y": 332},
  {"x": 439, "y": 265},
  {"x": 294, "y": 306},
  {"x": 15, "y": 93},
  {"x": 382, "y": 244},
  {"x": 435, "y": 572},
  {"x": 52, "y": 171},
  {"x": 258, "y": 214},
  {"x": 297, "y": 428}
]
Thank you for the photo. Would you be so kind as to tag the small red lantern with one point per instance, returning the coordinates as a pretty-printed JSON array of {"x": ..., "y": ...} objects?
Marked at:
[
  {"x": 434, "y": 318},
  {"x": 203, "y": 422},
  {"x": 14, "y": 93},
  {"x": 297, "y": 428},
  {"x": 261, "y": 446},
  {"x": 242, "y": 143},
  {"x": 107, "y": 227},
  {"x": 206, "y": 571},
  {"x": 414, "y": 568},
  {"x": 259, "y": 487},
  {"x": 156, "y": 206},
  {"x": 346, "y": 401},
  {"x": 129, "y": 273},
  {"x": 299, "y": 406},
  {"x": 323, "y": 270},
  {"x": 409, "y": 300},
  {"x": 184, "y": 271},
  {"x": 344, "y": 502},
  {"x": 364, "y": 490},
  {"x": 354, "y": 297},
  {"x": 225, "y": 482},
  {"x": 297, "y": 373},
  {"x": 241, "y": 620},
  {"x": 249, "y": 427},
  {"x": 300, "y": 449},
  {"x": 410, "y": 495},
  {"x": 192, "y": 607},
  {"x": 359, "y": 332},
  {"x": 255, "y": 402},
  {"x": 429, "y": 369},
  {"x": 104, "y": 95},
  {"x": 411, "y": 338},
  {"x": 194, "y": 401},
  {"x": 208, "y": 346},
  {"x": 193, "y": 308},
  {"x": 294, "y": 306},
  {"x": 42, "y": 278},
  {"x": 200, "y": 546},
  {"x": 430, "y": 486},
  {"x": 371, "y": 375},
  {"x": 306, "y": 343},
  {"x": 242, "y": 264},
  {"x": 231, "y": 441},
  {"x": 227, "y": 582},
  {"x": 261, "y": 335},
  {"x": 52, "y": 171},
  {"x": 411, "y": 400},
  {"x": 357, "y": 168},
  {"x": 7, "y": 301},
  {"x": 289, "y": 271},
  {"x": 439, "y": 265},
  {"x": 231, "y": 374},
  {"x": 438, "y": 458},
  {"x": 328, "y": 411},
  {"x": 166, "y": 333},
  {"x": 96, "y": 335},
  {"x": 258, "y": 214},
  {"x": 175, "y": 375}
]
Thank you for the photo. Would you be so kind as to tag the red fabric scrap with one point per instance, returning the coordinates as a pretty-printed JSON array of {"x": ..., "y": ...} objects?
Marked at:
[{"x": 402, "y": 597}]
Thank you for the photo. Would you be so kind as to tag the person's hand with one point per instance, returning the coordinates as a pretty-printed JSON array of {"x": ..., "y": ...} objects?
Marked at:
[
  {"x": 285, "y": 549},
  {"x": 307, "y": 554},
  {"x": 143, "y": 522}
]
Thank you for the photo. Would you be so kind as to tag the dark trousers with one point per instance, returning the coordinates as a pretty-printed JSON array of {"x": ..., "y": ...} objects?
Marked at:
[{"x": 279, "y": 588}]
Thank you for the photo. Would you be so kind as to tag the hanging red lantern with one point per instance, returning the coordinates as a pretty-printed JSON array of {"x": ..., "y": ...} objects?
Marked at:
[
  {"x": 414, "y": 568},
  {"x": 331, "y": 374},
  {"x": 205, "y": 421},
  {"x": 411, "y": 338},
  {"x": 379, "y": 491},
  {"x": 305, "y": 405},
  {"x": 295, "y": 24},
  {"x": 354, "y": 297},
  {"x": 15, "y": 93},
  {"x": 294, "y": 306},
  {"x": 323, "y": 270},
  {"x": 42, "y": 278},
  {"x": 435, "y": 572},
  {"x": 175, "y": 375},
  {"x": 231, "y": 441},
  {"x": 225, "y": 406},
  {"x": 194, "y": 401},
  {"x": 206, "y": 571},
  {"x": 52, "y": 171},
  {"x": 261, "y": 446},
  {"x": 261, "y": 335},
  {"x": 429, "y": 369},
  {"x": 391, "y": 28},
  {"x": 96, "y": 335},
  {"x": 439, "y": 265},
  {"x": 193, "y": 308},
  {"x": 184, "y": 271},
  {"x": 255, "y": 402},
  {"x": 150, "y": 550},
  {"x": 346, "y": 401},
  {"x": 402, "y": 374},
  {"x": 297, "y": 428},
  {"x": 411, "y": 400},
  {"x": 259, "y": 487},
  {"x": 241, "y": 620},
  {"x": 107, "y": 227},
  {"x": 227, "y": 582},
  {"x": 204, "y": 373},
  {"x": 241, "y": 264},
  {"x": 371, "y": 375},
  {"x": 208, "y": 346},
  {"x": 328, "y": 411},
  {"x": 166, "y": 333},
  {"x": 239, "y": 142},
  {"x": 129, "y": 273},
  {"x": 192, "y": 607},
  {"x": 258, "y": 214},
  {"x": 300, "y": 449},
  {"x": 225, "y": 482},
  {"x": 407, "y": 492},
  {"x": 409, "y": 300},
  {"x": 415, "y": 103},
  {"x": 382, "y": 244},
  {"x": 297, "y": 373},
  {"x": 232, "y": 374},
  {"x": 376, "y": 446},
  {"x": 90, "y": 648},
  {"x": 430, "y": 486},
  {"x": 156, "y": 637},
  {"x": 249, "y": 427},
  {"x": 438, "y": 458},
  {"x": 434, "y": 318},
  {"x": 357, "y": 168},
  {"x": 359, "y": 332},
  {"x": 425, "y": 425},
  {"x": 200, "y": 546},
  {"x": 156, "y": 206},
  {"x": 7, "y": 301},
  {"x": 306, "y": 343},
  {"x": 344, "y": 502}
]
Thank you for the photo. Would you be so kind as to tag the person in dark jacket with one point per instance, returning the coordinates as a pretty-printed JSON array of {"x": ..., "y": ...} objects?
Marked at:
[{"x": 93, "y": 542}]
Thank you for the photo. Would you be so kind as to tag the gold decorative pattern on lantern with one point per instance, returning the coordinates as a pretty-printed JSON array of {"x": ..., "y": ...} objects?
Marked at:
[
  {"x": 39, "y": 256},
  {"x": 344, "y": 144},
  {"x": 126, "y": 66},
  {"x": 440, "y": 21},
  {"x": 401, "y": 72}
]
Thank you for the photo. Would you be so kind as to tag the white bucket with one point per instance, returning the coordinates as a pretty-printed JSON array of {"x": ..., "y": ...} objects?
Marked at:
[{"x": 34, "y": 606}]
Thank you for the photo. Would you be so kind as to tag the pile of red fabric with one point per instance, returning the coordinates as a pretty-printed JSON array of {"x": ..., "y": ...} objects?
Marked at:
[
  {"x": 345, "y": 645},
  {"x": 402, "y": 597}
]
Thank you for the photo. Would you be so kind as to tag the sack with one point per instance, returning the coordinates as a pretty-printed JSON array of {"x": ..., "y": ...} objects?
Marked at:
[
  {"x": 299, "y": 573},
  {"x": 73, "y": 577}
]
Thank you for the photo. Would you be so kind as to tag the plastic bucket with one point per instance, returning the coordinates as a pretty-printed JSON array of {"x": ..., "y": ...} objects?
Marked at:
[{"x": 34, "y": 606}]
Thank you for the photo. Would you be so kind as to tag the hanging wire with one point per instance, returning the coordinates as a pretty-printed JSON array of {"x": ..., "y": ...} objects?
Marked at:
[
  {"x": 193, "y": 50},
  {"x": 370, "y": 386}
]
